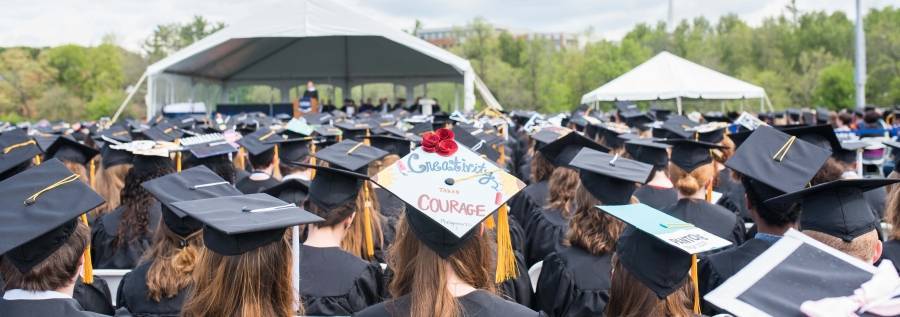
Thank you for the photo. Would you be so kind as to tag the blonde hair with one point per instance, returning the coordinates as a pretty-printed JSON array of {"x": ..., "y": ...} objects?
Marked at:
[
  {"x": 78, "y": 169},
  {"x": 172, "y": 263},
  {"x": 690, "y": 183},
  {"x": 862, "y": 247},
  {"x": 110, "y": 181}
]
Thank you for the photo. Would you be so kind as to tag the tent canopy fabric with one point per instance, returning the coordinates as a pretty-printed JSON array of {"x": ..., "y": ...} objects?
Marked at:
[
  {"x": 666, "y": 76},
  {"x": 319, "y": 40}
]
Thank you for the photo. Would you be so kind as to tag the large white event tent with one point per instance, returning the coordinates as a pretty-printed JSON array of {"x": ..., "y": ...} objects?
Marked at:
[
  {"x": 319, "y": 40},
  {"x": 667, "y": 76}
]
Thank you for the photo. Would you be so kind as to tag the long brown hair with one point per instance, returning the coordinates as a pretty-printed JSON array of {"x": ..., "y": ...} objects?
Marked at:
[
  {"x": 54, "y": 272},
  {"x": 136, "y": 202},
  {"x": 560, "y": 193},
  {"x": 628, "y": 297},
  {"x": 253, "y": 284},
  {"x": 422, "y": 274},
  {"x": 78, "y": 169},
  {"x": 590, "y": 229},
  {"x": 354, "y": 241},
  {"x": 540, "y": 168},
  {"x": 110, "y": 181},
  {"x": 690, "y": 183},
  {"x": 173, "y": 262}
]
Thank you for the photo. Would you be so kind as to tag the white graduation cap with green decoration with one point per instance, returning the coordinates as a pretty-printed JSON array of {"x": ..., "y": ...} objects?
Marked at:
[{"x": 679, "y": 234}]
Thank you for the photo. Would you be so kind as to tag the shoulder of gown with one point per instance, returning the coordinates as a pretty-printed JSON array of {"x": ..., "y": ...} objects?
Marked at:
[
  {"x": 518, "y": 289},
  {"x": 574, "y": 283},
  {"x": 45, "y": 307},
  {"x": 334, "y": 282},
  {"x": 481, "y": 303},
  {"x": 93, "y": 297},
  {"x": 891, "y": 251},
  {"x": 132, "y": 295},
  {"x": 714, "y": 269},
  {"x": 713, "y": 218},
  {"x": 545, "y": 234}
]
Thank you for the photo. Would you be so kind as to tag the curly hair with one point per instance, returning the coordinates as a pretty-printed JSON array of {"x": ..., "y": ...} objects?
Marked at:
[
  {"x": 594, "y": 231},
  {"x": 540, "y": 168},
  {"x": 689, "y": 183},
  {"x": 173, "y": 262},
  {"x": 136, "y": 201},
  {"x": 560, "y": 193}
]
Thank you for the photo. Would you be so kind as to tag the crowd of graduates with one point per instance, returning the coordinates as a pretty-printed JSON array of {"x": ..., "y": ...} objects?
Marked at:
[{"x": 252, "y": 215}]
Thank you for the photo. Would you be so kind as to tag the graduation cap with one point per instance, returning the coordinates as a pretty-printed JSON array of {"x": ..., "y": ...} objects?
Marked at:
[
  {"x": 713, "y": 132},
  {"x": 677, "y": 127},
  {"x": 234, "y": 225},
  {"x": 638, "y": 119},
  {"x": 354, "y": 130},
  {"x": 293, "y": 151},
  {"x": 67, "y": 149},
  {"x": 794, "y": 114},
  {"x": 191, "y": 184},
  {"x": 610, "y": 178},
  {"x": 781, "y": 161},
  {"x": 333, "y": 187},
  {"x": 658, "y": 249},
  {"x": 420, "y": 128},
  {"x": 41, "y": 206},
  {"x": 16, "y": 148},
  {"x": 689, "y": 154},
  {"x": 475, "y": 143},
  {"x": 563, "y": 150},
  {"x": 299, "y": 128},
  {"x": 548, "y": 134},
  {"x": 792, "y": 271},
  {"x": 822, "y": 115},
  {"x": 207, "y": 150},
  {"x": 809, "y": 118},
  {"x": 849, "y": 150},
  {"x": 715, "y": 117},
  {"x": 837, "y": 208},
  {"x": 739, "y": 137},
  {"x": 392, "y": 144},
  {"x": 110, "y": 157},
  {"x": 821, "y": 135},
  {"x": 612, "y": 134},
  {"x": 351, "y": 155},
  {"x": 647, "y": 151},
  {"x": 317, "y": 118},
  {"x": 259, "y": 141},
  {"x": 660, "y": 113},
  {"x": 291, "y": 190},
  {"x": 117, "y": 132},
  {"x": 895, "y": 150},
  {"x": 163, "y": 132}
]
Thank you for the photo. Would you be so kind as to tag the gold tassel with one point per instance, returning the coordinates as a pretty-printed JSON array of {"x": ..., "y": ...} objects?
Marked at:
[
  {"x": 36, "y": 160},
  {"x": 367, "y": 217},
  {"x": 88, "y": 277},
  {"x": 695, "y": 281},
  {"x": 178, "y": 162},
  {"x": 312, "y": 159},
  {"x": 489, "y": 222},
  {"x": 506, "y": 259},
  {"x": 366, "y": 141},
  {"x": 276, "y": 171},
  {"x": 240, "y": 158},
  {"x": 93, "y": 180}
]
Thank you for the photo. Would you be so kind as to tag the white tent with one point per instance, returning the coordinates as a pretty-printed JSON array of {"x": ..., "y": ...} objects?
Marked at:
[
  {"x": 318, "y": 40},
  {"x": 666, "y": 76}
]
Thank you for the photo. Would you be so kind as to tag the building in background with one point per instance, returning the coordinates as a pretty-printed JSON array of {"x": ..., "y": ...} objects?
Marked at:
[{"x": 448, "y": 37}]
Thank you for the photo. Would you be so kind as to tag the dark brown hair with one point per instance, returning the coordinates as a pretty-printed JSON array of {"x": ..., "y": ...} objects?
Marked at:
[
  {"x": 136, "y": 202},
  {"x": 110, "y": 181},
  {"x": 172, "y": 263},
  {"x": 56, "y": 271},
  {"x": 560, "y": 193},
  {"x": 628, "y": 297},
  {"x": 540, "y": 168},
  {"x": 421, "y": 273},
  {"x": 590, "y": 229}
]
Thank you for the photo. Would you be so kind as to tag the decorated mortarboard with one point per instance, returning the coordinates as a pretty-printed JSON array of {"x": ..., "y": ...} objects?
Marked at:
[
  {"x": 561, "y": 151},
  {"x": 648, "y": 151},
  {"x": 837, "y": 208},
  {"x": 821, "y": 135},
  {"x": 259, "y": 141},
  {"x": 474, "y": 143},
  {"x": 235, "y": 225},
  {"x": 689, "y": 154},
  {"x": 163, "y": 132},
  {"x": 549, "y": 134},
  {"x": 776, "y": 159},
  {"x": 16, "y": 148},
  {"x": 610, "y": 178},
  {"x": 449, "y": 191},
  {"x": 792, "y": 271},
  {"x": 299, "y": 127},
  {"x": 117, "y": 132},
  {"x": 392, "y": 144},
  {"x": 317, "y": 118},
  {"x": 110, "y": 157},
  {"x": 658, "y": 249},
  {"x": 67, "y": 149},
  {"x": 290, "y": 190},
  {"x": 713, "y": 132},
  {"x": 191, "y": 184},
  {"x": 41, "y": 206},
  {"x": 350, "y": 155}
]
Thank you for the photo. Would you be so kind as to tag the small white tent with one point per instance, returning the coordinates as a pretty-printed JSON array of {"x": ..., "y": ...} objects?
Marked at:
[
  {"x": 666, "y": 76},
  {"x": 318, "y": 40}
]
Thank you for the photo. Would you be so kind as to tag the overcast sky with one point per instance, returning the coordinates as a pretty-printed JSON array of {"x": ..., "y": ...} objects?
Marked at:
[{"x": 54, "y": 22}]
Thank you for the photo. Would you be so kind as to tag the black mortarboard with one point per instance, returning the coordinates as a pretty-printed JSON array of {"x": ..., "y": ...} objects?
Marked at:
[
  {"x": 563, "y": 150},
  {"x": 191, "y": 184},
  {"x": 475, "y": 143},
  {"x": 205, "y": 150},
  {"x": 849, "y": 150},
  {"x": 420, "y": 128},
  {"x": 612, "y": 134},
  {"x": 809, "y": 118},
  {"x": 713, "y": 132},
  {"x": 778, "y": 160},
  {"x": 660, "y": 114},
  {"x": 822, "y": 115},
  {"x": 715, "y": 116},
  {"x": 235, "y": 225},
  {"x": 895, "y": 151},
  {"x": 117, "y": 132},
  {"x": 293, "y": 151},
  {"x": 350, "y": 155},
  {"x": 391, "y": 144},
  {"x": 163, "y": 132},
  {"x": 67, "y": 149},
  {"x": 821, "y": 135},
  {"x": 258, "y": 142},
  {"x": 677, "y": 127},
  {"x": 317, "y": 118},
  {"x": 111, "y": 157},
  {"x": 333, "y": 187},
  {"x": 290, "y": 190},
  {"x": 637, "y": 119},
  {"x": 44, "y": 141},
  {"x": 647, "y": 151},
  {"x": 739, "y": 137},
  {"x": 16, "y": 148},
  {"x": 549, "y": 134},
  {"x": 689, "y": 154},
  {"x": 41, "y": 206},
  {"x": 837, "y": 208},
  {"x": 354, "y": 130},
  {"x": 794, "y": 114},
  {"x": 610, "y": 178}
]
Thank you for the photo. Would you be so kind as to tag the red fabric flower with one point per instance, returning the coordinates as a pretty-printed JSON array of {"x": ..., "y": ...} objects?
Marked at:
[
  {"x": 446, "y": 147},
  {"x": 430, "y": 141},
  {"x": 444, "y": 134}
]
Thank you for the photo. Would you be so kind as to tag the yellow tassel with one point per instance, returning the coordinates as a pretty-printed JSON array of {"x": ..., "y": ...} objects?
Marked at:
[
  {"x": 506, "y": 259},
  {"x": 36, "y": 160},
  {"x": 366, "y": 141},
  {"x": 489, "y": 222},
  {"x": 276, "y": 172},
  {"x": 709, "y": 188},
  {"x": 312, "y": 159},
  {"x": 367, "y": 217},
  {"x": 240, "y": 158},
  {"x": 93, "y": 174},
  {"x": 88, "y": 277},
  {"x": 178, "y": 162},
  {"x": 695, "y": 281}
]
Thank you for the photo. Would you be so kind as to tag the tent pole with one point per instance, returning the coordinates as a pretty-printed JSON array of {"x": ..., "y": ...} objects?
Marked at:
[
  {"x": 128, "y": 98},
  {"x": 678, "y": 105}
]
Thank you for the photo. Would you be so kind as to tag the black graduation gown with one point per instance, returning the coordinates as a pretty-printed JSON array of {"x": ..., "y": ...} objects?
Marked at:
[
  {"x": 716, "y": 268},
  {"x": 336, "y": 283},
  {"x": 891, "y": 251},
  {"x": 44, "y": 308},
  {"x": 94, "y": 297},
  {"x": 249, "y": 186},
  {"x": 475, "y": 304},
  {"x": 105, "y": 255},
  {"x": 875, "y": 198},
  {"x": 133, "y": 296},
  {"x": 711, "y": 218},
  {"x": 545, "y": 234},
  {"x": 530, "y": 199},
  {"x": 733, "y": 194},
  {"x": 574, "y": 282},
  {"x": 391, "y": 208},
  {"x": 518, "y": 289},
  {"x": 656, "y": 197}
]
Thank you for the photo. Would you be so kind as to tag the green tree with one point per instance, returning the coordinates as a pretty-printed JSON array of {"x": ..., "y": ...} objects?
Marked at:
[
  {"x": 168, "y": 38},
  {"x": 836, "y": 89},
  {"x": 23, "y": 79}
]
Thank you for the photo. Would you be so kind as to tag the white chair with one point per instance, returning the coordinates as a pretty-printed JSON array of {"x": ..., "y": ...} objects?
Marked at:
[
  {"x": 113, "y": 278},
  {"x": 535, "y": 273}
]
